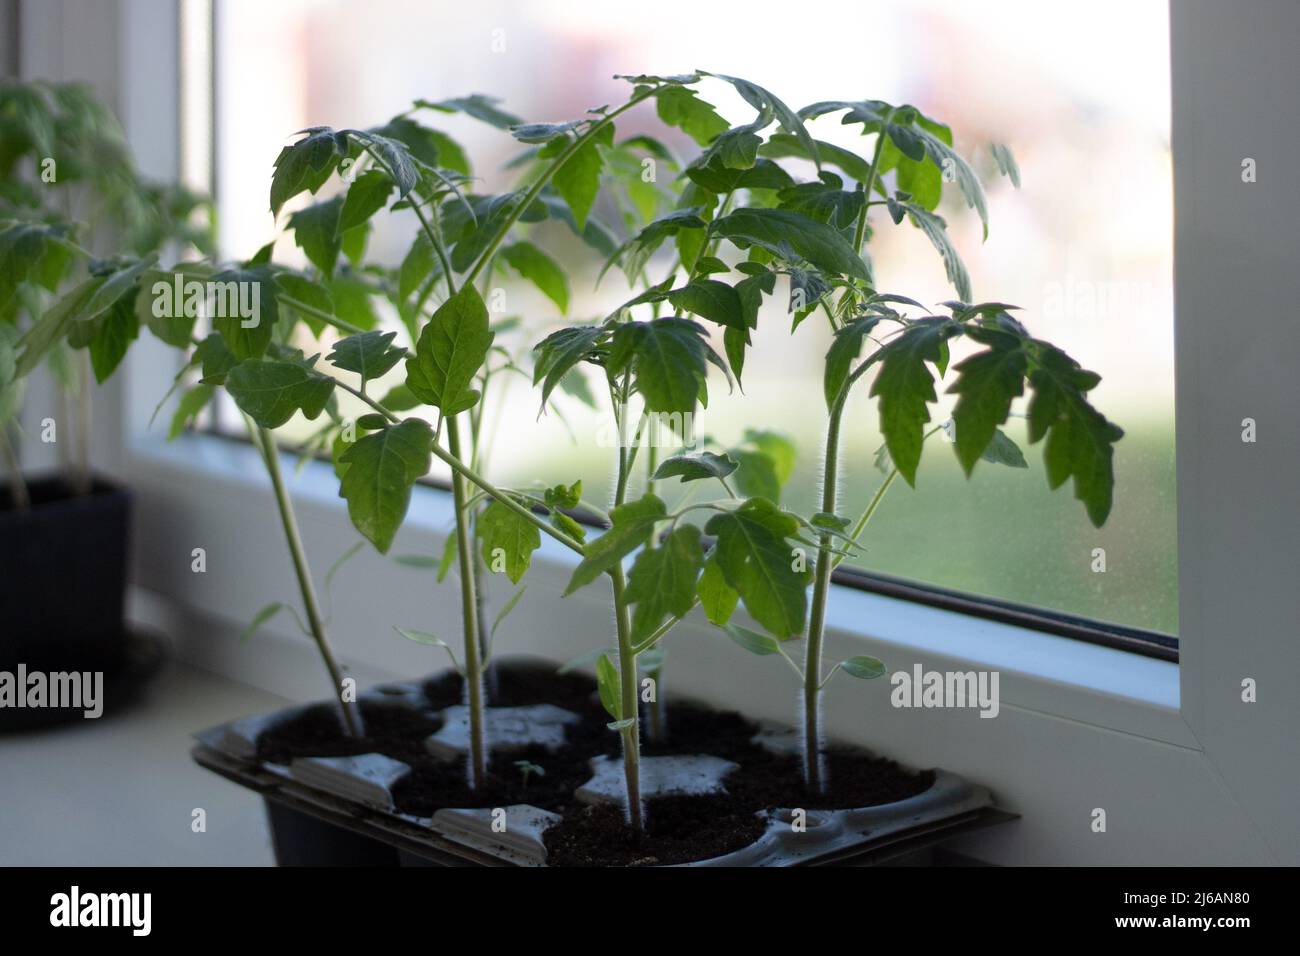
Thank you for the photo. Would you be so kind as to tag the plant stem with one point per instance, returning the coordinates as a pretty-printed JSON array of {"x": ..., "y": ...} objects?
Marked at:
[
  {"x": 266, "y": 443},
  {"x": 469, "y": 615},
  {"x": 513, "y": 216},
  {"x": 860, "y": 233},
  {"x": 628, "y": 678},
  {"x": 812, "y": 664},
  {"x": 18, "y": 493}
]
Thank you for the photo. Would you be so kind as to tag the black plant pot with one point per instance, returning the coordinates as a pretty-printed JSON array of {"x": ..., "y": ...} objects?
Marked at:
[{"x": 63, "y": 567}]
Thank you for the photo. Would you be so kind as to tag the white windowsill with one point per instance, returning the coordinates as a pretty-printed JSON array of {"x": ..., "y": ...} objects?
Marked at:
[{"x": 1039, "y": 672}]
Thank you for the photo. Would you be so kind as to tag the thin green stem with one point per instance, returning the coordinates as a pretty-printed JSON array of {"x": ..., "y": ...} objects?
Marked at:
[
  {"x": 270, "y": 455},
  {"x": 540, "y": 183},
  {"x": 469, "y": 616},
  {"x": 860, "y": 233}
]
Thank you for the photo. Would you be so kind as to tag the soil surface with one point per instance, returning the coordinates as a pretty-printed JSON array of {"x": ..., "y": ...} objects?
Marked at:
[{"x": 678, "y": 829}]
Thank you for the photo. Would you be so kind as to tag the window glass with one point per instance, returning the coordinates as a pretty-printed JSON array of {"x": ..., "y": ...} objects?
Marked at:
[{"x": 1079, "y": 92}]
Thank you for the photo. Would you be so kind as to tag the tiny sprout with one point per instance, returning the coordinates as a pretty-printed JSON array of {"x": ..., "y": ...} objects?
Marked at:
[{"x": 528, "y": 768}]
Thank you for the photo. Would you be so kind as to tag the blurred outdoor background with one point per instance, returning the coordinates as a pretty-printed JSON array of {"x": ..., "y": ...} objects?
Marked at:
[{"x": 1079, "y": 92}]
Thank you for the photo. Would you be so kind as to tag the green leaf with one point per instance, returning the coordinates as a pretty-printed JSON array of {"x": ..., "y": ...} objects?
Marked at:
[
  {"x": 369, "y": 354},
  {"x": 260, "y": 618},
  {"x": 905, "y": 386},
  {"x": 936, "y": 230},
  {"x": 636, "y": 252},
  {"x": 863, "y": 667},
  {"x": 717, "y": 598},
  {"x": 367, "y": 195},
  {"x": 418, "y": 264},
  {"x": 776, "y": 230},
  {"x": 712, "y": 300},
  {"x": 610, "y": 687},
  {"x": 166, "y": 315},
  {"x": 53, "y": 326},
  {"x": 781, "y": 145},
  {"x": 1007, "y": 165},
  {"x": 766, "y": 102},
  {"x": 306, "y": 164},
  {"x": 316, "y": 232},
  {"x": 429, "y": 640},
  {"x": 1003, "y": 451},
  {"x": 692, "y": 467},
  {"x": 560, "y": 352},
  {"x": 681, "y": 107},
  {"x": 762, "y": 174},
  {"x": 843, "y": 351},
  {"x": 1079, "y": 438},
  {"x": 247, "y": 337},
  {"x": 757, "y": 562},
  {"x": 509, "y": 540},
  {"x": 115, "y": 335},
  {"x": 578, "y": 178},
  {"x": 541, "y": 270},
  {"x": 752, "y": 641},
  {"x": 483, "y": 108},
  {"x": 270, "y": 391},
  {"x": 191, "y": 403},
  {"x": 216, "y": 360},
  {"x": 505, "y": 610},
  {"x": 662, "y": 580},
  {"x": 381, "y": 468},
  {"x": 452, "y": 348},
  {"x": 669, "y": 362},
  {"x": 987, "y": 383},
  {"x": 632, "y": 523}
]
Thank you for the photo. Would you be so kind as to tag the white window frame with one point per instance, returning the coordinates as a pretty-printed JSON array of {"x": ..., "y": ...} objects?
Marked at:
[{"x": 1186, "y": 772}]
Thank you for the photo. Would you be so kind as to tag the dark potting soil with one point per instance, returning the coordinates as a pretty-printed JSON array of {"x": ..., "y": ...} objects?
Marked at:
[{"x": 678, "y": 829}]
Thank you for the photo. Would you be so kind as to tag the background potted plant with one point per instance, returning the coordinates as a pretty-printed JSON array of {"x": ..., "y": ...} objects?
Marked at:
[{"x": 64, "y": 159}]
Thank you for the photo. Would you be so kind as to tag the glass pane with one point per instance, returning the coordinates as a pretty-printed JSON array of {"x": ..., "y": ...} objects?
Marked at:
[{"x": 1084, "y": 247}]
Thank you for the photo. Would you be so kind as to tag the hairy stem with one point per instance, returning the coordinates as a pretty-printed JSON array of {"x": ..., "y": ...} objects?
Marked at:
[
  {"x": 266, "y": 444},
  {"x": 628, "y": 680},
  {"x": 469, "y": 615}
]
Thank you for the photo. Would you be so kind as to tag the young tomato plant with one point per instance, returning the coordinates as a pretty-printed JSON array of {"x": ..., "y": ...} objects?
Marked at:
[{"x": 64, "y": 158}]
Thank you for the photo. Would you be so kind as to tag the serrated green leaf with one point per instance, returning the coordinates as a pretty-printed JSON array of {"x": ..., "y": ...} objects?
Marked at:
[
  {"x": 190, "y": 404},
  {"x": 680, "y": 107},
  {"x": 369, "y": 354},
  {"x": 632, "y": 524},
  {"x": 758, "y": 563},
  {"x": 776, "y": 230},
  {"x": 987, "y": 383},
  {"x": 560, "y": 352},
  {"x": 381, "y": 468},
  {"x": 905, "y": 387},
  {"x": 113, "y": 338},
  {"x": 712, "y": 300},
  {"x": 271, "y": 391},
  {"x": 509, "y": 540},
  {"x": 1080, "y": 441},
  {"x": 669, "y": 362},
  {"x": 451, "y": 349},
  {"x": 844, "y": 349},
  {"x": 662, "y": 580},
  {"x": 693, "y": 467},
  {"x": 367, "y": 195},
  {"x": 577, "y": 180},
  {"x": 316, "y": 233},
  {"x": 306, "y": 164},
  {"x": 718, "y": 599}
]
